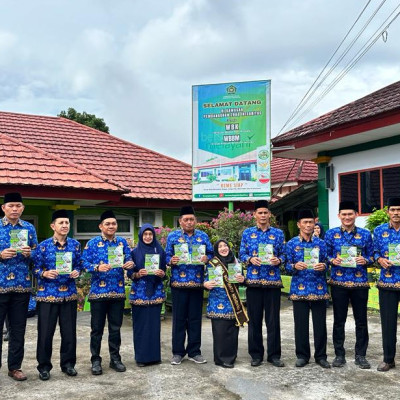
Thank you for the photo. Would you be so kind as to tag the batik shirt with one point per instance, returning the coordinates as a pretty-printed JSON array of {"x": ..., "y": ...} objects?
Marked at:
[
  {"x": 347, "y": 277},
  {"x": 264, "y": 275},
  {"x": 110, "y": 284},
  {"x": 14, "y": 272},
  {"x": 187, "y": 275},
  {"x": 218, "y": 306},
  {"x": 307, "y": 284},
  {"x": 148, "y": 289},
  {"x": 383, "y": 235},
  {"x": 62, "y": 288}
]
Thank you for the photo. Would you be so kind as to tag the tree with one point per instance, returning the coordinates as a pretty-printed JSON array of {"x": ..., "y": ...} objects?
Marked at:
[{"x": 85, "y": 119}]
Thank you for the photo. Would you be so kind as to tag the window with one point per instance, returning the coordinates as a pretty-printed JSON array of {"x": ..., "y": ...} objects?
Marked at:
[
  {"x": 370, "y": 189},
  {"x": 153, "y": 217},
  {"x": 86, "y": 227}
]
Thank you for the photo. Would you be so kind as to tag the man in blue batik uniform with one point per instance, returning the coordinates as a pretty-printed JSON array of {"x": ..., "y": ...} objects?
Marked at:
[
  {"x": 350, "y": 251},
  {"x": 306, "y": 259},
  {"x": 105, "y": 257},
  {"x": 18, "y": 242},
  {"x": 187, "y": 287},
  {"x": 387, "y": 254},
  {"x": 57, "y": 265},
  {"x": 263, "y": 281}
]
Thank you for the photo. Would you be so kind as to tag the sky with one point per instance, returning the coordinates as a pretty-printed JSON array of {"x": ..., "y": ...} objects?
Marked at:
[{"x": 133, "y": 63}]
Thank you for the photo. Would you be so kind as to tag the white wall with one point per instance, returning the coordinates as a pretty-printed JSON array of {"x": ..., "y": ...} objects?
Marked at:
[{"x": 380, "y": 157}]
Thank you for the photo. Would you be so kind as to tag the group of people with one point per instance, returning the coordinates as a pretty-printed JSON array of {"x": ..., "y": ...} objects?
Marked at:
[{"x": 195, "y": 264}]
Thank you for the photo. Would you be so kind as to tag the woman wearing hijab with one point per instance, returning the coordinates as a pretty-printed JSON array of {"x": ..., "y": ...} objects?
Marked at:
[
  {"x": 319, "y": 231},
  {"x": 147, "y": 295},
  {"x": 224, "y": 306}
]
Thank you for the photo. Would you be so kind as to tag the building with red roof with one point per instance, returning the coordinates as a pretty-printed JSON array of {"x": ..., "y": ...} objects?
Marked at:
[
  {"x": 57, "y": 163},
  {"x": 356, "y": 148}
]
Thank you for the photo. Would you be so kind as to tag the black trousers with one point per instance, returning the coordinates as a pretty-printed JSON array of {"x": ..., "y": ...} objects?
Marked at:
[
  {"x": 15, "y": 305},
  {"x": 187, "y": 307},
  {"x": 225, "y": 340},
  {"x": 388, "y": 305},
  {"x": 340, "y": 300},
  {"x": 301, "y": 314},
  {"x": 113, "y": 310},
  {"x": 264, "y": 302},
  {"x": 48, "y": 315}
]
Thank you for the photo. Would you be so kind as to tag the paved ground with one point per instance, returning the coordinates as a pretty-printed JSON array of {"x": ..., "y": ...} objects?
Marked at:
[{"x": 205, "y": 381}]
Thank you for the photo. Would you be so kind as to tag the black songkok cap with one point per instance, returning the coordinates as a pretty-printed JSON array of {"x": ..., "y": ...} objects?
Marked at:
[
  {"x": 347, "y": 205},
  {"x": 59, "y": 214},
  {"x": 185, "y": 210},
  {"x": 12, "y": 198},
  {"x": 261, "y": 204},
  {"x": 394, "y": 202},
  {"x": 107, "y": 214},
  {"x": 305, "y": 213}
]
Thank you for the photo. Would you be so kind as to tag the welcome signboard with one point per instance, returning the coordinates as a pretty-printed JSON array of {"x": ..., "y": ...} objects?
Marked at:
[{"x": 231, "y": 141}]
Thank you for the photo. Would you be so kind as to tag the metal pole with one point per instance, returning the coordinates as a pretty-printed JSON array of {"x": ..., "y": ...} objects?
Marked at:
[{"x": 230, "y": 206}]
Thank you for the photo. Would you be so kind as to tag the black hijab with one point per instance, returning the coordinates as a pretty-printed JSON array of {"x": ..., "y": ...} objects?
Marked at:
[{"x": 229, "y": 259}]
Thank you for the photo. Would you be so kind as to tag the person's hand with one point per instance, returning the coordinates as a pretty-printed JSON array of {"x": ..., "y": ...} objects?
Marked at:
[
  {"x": 50, "y": 274},
  {"x": 104, "y": 267},
  {"x": 128, "y": 265},
  {"x": 210, "y": 285},
  {"x": 26, "y": 251},
  {"x": 255, "y": 261},
  {"x": 239, "y": 278},
  {"x": 319, "y": 267},
  {"x": 8, "y": 253},
  {"x": 174, "y": 260},
  {"x": 384, "y": 262},
  {"x": 74, "y": 274},
  {"x": 142, "y": 272},
  {"x": 300, "y": 266},
  {"x": 160, "y": 273},
  {"x": 274, "y": 261},
  {"x": 360, "y": 260},
  {"x": 204, "y": 259},
  {"x": 336, "y": 261}
]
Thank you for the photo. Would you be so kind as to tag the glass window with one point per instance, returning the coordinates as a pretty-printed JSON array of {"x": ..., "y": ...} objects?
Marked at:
[
  {"x": 370, "y": 185},
  {"x": 349, "y": 188},
  {"x": 391, "y": 183}
]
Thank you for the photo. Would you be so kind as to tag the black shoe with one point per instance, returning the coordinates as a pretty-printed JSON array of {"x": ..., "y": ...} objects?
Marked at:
[
  {"x": 338, "y": 362},
  {"x": 362, "y": 362},
  {"x": 256, "y": 362},
  {"x": 44, "y": 375},
  {"x": 301, "y": 362},
  {"x": 277, "y": 362},
  {"x": 225, "y": 365},
  {"x": 117, "y": 365},
  {"x": 70, "y": 371},
  {"x": 139, "y": 364},
  {"x": 323, "y": 363},
  {"x": 96, "y": 368}
]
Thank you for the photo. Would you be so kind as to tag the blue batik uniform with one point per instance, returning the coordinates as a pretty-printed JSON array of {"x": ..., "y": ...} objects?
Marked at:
[
  {"x": 187, "y": 275},
  {"x": 264, "y": 275},
  {"x": 14, "y": 275},
  {"x": 343, "y": 276},
  {"x": 219, "y": 305},
  {"x": 306, "y": 284},
  {"x": 383, "y": 235},
  {"x": 110, "y": 284},
  {"x": 62, "y": 288}
]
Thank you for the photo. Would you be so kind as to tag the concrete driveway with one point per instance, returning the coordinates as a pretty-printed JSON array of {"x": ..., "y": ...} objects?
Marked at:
[{"x": 207, "y": 381}]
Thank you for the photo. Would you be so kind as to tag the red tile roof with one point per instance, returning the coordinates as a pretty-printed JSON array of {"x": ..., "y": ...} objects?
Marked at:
[
  {"x": 289, "y": 170},
  {"x": 55, "y": 151},
  {"x": 146, "y": 173},
  {"x": 28, "y": 165},
  {"x": 381, "y": 103}
]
